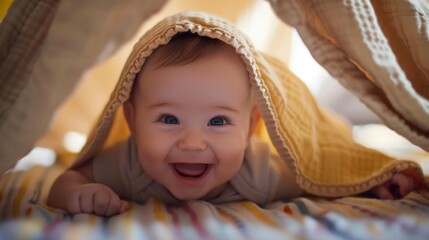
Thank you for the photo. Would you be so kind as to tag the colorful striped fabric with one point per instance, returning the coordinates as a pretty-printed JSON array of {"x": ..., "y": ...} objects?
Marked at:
[{"x": 24, "y": 216}]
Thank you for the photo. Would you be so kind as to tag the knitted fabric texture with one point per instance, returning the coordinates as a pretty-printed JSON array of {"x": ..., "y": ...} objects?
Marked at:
[
  {"x": 45, "y": 53},
  {"x": 318, "y": 146},
  {"x": 376, "y": 50}
]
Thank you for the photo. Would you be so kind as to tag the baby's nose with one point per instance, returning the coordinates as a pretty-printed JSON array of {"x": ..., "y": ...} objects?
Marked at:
[{"x": 192, "y": 142}]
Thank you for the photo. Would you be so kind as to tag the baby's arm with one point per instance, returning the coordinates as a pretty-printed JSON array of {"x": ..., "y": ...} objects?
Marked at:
[
  {"x": 76, "y": 192},
  {"x": 397, "y": 187}
]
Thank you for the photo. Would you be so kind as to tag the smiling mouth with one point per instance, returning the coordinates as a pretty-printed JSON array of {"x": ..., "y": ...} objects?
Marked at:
[{"x": 191, "y": 170}]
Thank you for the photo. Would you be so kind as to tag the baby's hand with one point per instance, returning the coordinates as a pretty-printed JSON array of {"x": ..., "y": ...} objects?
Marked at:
[
  {"x": 95, "y": 198},
  {"x": 396, "y": 187}
]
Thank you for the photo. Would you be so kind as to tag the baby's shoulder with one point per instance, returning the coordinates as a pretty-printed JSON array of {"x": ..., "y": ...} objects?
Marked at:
[
  {"x": 254, "y": 179},
  {"x": 260, "y": 152},
  {"x": 118, "y": 152}
]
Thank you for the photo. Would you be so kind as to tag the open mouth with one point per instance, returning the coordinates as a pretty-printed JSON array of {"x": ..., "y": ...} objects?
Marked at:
[{"x": 191, "y": 170}]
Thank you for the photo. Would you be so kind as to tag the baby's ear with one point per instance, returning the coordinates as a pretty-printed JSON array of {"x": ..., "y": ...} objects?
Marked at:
[
  {"x": 129, "y": 114},
  {"x": 255, "y": 116}
]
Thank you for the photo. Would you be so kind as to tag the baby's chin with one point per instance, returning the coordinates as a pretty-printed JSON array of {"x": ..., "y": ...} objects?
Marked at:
[
  {"x": 190, "y": 194},
  {"x": 187, "y": 196}
]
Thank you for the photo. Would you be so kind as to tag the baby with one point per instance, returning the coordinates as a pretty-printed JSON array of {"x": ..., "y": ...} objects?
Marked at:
[{"x": 191, "y": 114}]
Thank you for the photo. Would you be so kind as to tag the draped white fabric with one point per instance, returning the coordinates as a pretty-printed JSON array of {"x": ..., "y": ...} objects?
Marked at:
[
  {"x": 376, "y": 49},
  {"x": 47, "y": 46}
]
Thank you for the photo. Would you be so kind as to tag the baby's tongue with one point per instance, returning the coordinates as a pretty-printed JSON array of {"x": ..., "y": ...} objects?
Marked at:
[{"x": 189, "y": 169}]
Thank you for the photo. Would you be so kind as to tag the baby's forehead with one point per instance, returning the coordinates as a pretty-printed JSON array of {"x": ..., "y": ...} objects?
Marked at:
[
  {"x": 186, "y": 48},
  {"x": 222, "y": 63},
  {"x": 222, "y": 72}
]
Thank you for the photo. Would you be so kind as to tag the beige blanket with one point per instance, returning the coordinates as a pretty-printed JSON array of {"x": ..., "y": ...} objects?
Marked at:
[{"x": 376, "y": 49}]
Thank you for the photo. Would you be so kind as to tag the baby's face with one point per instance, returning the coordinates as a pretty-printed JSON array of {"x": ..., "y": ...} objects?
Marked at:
[{"x": 192, "y": 122}]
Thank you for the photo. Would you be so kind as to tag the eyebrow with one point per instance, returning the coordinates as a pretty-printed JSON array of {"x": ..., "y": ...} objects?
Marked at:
[
  {"x": 162, "y": 104},
  {"x": 226, "y": 108}
]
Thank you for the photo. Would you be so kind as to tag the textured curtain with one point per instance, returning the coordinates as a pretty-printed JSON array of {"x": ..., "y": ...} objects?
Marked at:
[
  {"x": 46, "y": 48},
  {"x": 376, "y": 49}
]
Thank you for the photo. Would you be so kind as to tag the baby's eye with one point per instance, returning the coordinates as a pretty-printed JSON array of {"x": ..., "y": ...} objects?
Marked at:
[
  {"x": 169, "y": 119},
  {"x": 218, "y": 121}
]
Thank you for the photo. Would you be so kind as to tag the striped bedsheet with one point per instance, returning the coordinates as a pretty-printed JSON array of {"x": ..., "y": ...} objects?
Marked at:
[{"x": 24, "y": 216}]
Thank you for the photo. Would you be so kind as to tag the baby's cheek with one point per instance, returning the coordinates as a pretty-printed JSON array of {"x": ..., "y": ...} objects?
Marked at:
[
  {"x": 230, "y": 151},
  {"x": 153, "y": 148},
  {"x": 229, "y": 163}
]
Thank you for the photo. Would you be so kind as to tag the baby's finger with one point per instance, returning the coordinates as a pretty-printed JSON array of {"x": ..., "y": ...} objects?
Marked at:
[
  {"x": 73, "y": 203},
  {"x": 114, "y": 205},
  {"x": 124, "y": 206},
  {"x": 382, "y": 192},
  {"x": 86, "y": 202},
  {"x": 101, "y": 202},
  {"x": 404, "y": 183}
]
